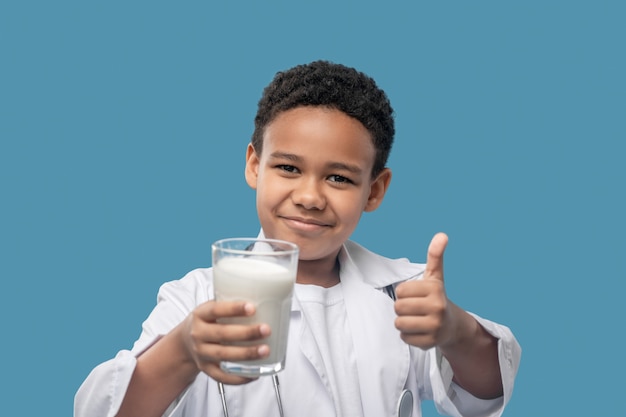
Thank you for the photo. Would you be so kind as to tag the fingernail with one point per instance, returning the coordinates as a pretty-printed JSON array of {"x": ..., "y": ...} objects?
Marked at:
[
  {"x": 249, "y": 308},
  {"x": 263, "y": 350},
  {"x": 265, "y": 330}
]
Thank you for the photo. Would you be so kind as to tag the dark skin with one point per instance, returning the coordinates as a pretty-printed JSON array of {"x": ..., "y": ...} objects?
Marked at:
[
  {"x": 165, "y": 369},
  {"x": 308, "y": 183},
  {"x": 427, "y": 318}
]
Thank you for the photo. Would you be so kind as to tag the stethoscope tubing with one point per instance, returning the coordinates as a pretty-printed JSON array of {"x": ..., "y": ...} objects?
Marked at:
[
  {"x": 276, "y": 383},
  {"x": 405, "y": 402}
]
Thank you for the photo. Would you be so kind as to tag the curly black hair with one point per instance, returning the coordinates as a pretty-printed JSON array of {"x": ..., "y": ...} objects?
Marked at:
[{"x": 327, "y": 84}]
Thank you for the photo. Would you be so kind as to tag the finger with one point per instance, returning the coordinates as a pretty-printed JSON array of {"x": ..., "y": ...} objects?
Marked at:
[
  {"x": 213, "y": 310},
  {"x": 434, "y": 258},
  {"x": 416, "y": 288},
  {"x": 215, "y": 372},
  {"x": 423, "y": 341},
  {"x": 212, "y": 352},
  {"x": 228, "y": 333},
  {"x": 414, "y": 306},
  {"x": 417, "y": 325}
]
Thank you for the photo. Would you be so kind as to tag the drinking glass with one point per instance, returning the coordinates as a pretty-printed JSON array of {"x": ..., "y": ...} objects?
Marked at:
[{"x": 263, "y": 272}]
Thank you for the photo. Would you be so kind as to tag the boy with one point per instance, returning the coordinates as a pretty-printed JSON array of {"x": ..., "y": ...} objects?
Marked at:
[{"x": 317, "y": 161}]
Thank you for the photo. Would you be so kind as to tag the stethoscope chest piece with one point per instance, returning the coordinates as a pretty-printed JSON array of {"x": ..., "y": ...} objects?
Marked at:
[{"x": 405, "y": 404}]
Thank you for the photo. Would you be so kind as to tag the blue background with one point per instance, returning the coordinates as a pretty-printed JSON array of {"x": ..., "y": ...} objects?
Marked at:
[{"x": 123, "y": 127}]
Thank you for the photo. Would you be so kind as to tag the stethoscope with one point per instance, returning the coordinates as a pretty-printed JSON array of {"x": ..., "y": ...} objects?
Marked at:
[
  {"x": 275, "y": 382},
  {"x": 404, "y": 408}
]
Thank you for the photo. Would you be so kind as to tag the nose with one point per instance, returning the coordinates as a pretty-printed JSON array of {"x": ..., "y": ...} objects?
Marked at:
[{"x": 309, "y": 195}]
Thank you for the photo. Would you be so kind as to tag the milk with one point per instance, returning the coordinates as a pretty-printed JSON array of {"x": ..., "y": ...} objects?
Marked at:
[{"x": 269, "y": 286}]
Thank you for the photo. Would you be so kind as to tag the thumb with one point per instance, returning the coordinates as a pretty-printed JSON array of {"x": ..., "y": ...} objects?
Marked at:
[{"x": 434, "y": 258}]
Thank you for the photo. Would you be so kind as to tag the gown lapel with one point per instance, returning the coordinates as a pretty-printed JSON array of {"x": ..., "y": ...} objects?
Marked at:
[{"x": 383, "y": 359}]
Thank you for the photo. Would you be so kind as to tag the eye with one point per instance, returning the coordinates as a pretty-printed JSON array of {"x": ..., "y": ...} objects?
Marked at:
[
  {"x": 287, "y": 168},
  {"x": 339, "y": 179}
]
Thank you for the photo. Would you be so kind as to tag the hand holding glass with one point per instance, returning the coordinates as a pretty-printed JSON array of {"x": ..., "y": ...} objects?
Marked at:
[{"x": 263, "y": 272}]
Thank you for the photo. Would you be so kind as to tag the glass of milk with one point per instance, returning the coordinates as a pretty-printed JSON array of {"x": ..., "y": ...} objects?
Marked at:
[{"x": 262, "y": 271}]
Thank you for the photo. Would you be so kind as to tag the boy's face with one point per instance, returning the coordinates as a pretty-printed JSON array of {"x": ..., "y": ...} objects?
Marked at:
[{"x": 313, "y": 179}]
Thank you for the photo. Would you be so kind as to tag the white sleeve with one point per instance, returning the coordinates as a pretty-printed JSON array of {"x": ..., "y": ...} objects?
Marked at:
[
  {"x": 102, "y": 392},
  {"x": 451, "y": 399}
]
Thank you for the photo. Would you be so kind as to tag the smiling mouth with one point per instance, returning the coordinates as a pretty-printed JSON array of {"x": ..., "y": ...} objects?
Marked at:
[{"x": 303, "y": 223}]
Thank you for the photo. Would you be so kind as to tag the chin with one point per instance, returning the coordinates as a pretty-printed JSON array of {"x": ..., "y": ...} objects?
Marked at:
[{"x": 306, "y": 254}]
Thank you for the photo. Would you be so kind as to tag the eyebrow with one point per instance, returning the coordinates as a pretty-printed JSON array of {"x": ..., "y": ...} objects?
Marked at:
[{"x": 333, "y": 165}]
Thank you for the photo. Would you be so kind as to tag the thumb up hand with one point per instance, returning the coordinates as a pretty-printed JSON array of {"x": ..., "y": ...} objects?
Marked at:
[
  {"x": 434, "y": 257},
  {"x": 424, "y": 312}
]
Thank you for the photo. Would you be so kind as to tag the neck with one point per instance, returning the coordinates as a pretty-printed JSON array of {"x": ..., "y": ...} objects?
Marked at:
[{"x": 321, "y": 272}]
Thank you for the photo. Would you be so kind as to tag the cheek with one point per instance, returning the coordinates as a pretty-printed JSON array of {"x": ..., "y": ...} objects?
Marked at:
[
  {"x": 351, "y": 211},
  {"x": 269, "y": 194}
]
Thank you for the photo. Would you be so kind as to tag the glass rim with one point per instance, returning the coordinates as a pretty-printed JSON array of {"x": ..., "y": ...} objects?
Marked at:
[{"x": 284, "y": 246}]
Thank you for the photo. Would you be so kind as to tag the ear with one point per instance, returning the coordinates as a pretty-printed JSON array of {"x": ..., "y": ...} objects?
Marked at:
[
  {"x": 252, "y": 167},
  {"x": 378, "y": 189}
]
